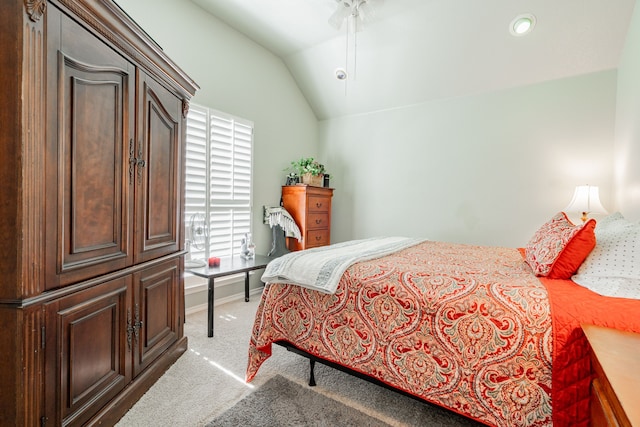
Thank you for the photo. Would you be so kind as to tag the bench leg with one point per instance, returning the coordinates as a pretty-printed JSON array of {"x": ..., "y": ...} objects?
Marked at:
[
  {"x": 246, "y": 286},
  {"x": 210, "y": 309}
]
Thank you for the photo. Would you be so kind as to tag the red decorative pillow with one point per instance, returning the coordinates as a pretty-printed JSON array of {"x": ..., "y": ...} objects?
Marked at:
[{"x": 558, "y": 248}]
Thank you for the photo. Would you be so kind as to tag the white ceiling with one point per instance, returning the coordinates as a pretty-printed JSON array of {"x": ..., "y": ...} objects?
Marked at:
[{"x": 419, "y": 50}]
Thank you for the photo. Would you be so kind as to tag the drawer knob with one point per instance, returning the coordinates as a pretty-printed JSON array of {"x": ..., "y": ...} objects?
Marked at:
[
  {"x": 318, "y": 204},
  {"x": 318, "y": 221},
  {"x": 318, "y": 238}
]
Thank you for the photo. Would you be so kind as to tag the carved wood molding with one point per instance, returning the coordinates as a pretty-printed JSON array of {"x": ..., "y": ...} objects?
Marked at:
[
  {"x": 87, "y": 15},
  {"x": 34, "y": 360},
  {"x": 154, "y": 63},
  {"x": 185, "y": 108},
  {"x": 35, "y": 9},
  {"x": 34, "y": 131}
]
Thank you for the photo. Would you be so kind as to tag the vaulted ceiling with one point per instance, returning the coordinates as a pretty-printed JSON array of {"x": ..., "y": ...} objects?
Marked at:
[{"x": 414, "y": 51}]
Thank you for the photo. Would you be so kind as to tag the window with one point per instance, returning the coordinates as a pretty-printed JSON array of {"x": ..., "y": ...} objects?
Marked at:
[{"x": 218, "y": 192}]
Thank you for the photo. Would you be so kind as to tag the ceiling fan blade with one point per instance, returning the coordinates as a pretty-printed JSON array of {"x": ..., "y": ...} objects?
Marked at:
[
  {"x": 368, "y": 9},
  {"x": 338, "y": 17},
  {"x": 366, "y": 12}
]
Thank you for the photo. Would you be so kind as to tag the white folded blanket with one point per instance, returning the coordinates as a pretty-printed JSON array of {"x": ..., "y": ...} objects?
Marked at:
[
  {"x": 279, "y": 216},
  {"x": 321, "y": 268}
]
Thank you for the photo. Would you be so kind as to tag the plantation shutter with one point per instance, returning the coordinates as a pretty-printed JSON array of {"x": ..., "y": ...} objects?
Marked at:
[
  {"x": 218, "y": 179},
  {"x": 230, "y": 169}
]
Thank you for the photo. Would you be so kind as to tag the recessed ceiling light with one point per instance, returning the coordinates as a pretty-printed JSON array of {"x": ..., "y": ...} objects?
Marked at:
[
  {"x": 341, "y": 74},
  {"x": 522, "y": 24}
]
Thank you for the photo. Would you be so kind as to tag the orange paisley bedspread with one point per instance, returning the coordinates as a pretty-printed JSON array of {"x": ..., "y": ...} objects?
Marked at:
[{"x": 465, "y": 327}]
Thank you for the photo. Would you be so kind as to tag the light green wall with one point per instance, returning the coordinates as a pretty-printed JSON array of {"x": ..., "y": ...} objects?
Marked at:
[
  {"x": 485, "y": 169},
  {"x": 239, "y": 77},
  {"x": 627, "y": 153}
]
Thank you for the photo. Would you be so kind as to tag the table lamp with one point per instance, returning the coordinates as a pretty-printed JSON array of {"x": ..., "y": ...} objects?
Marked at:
[{"x": 586, "y": 200}]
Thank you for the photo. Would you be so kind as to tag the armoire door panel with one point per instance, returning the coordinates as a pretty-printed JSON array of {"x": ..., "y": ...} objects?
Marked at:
[
  {"x": 87, "y": 350},
  {"x": 158, "y": 190},
  {"x": 162, "y": 133},
  {"x": 92, "y": 93},
  {"x": 157, "y": 309},
  {"x": 91, "y": 192}
]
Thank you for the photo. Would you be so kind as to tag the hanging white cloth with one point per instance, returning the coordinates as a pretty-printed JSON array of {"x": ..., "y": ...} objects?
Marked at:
[{"x": 279, "y": 216}]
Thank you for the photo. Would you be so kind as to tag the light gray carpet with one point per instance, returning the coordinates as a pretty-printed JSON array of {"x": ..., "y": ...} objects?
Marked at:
[
  {"x": 281, "y": 402},
  {"x": 209, "y": 379}
]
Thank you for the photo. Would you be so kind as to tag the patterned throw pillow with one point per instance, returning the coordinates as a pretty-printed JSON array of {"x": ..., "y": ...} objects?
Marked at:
[
  {"x": 613, "y": 268},
  {"x": 558, "y": 248}
]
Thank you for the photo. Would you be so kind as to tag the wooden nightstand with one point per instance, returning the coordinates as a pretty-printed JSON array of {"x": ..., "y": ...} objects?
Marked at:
[
  {"x": 615, "y": 389},
  {"x": 310, "y": 207}
]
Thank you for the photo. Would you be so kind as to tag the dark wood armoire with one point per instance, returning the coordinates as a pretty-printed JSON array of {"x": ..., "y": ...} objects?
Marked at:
[{"x": 91, "y": 228}]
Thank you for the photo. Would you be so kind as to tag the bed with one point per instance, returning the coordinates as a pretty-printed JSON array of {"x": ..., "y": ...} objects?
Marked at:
[{"x": 491, "y": 333}]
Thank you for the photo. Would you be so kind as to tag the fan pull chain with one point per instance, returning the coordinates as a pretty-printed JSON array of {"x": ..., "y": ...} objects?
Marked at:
[
  {"x": 346, "y": 58},
  {"x": 355, "y": 51}
]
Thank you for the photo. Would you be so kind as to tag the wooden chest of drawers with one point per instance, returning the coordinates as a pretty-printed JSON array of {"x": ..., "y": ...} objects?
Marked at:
[
  {"x": 615, "y": 358},
  {"x": 311, "y": 208}
]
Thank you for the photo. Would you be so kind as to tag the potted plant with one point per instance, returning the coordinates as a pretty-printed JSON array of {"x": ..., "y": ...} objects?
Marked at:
[{"x": 310, "y": 171}]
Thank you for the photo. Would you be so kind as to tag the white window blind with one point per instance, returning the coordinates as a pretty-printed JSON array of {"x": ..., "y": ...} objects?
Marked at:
[{"x": 218, "y": 182}]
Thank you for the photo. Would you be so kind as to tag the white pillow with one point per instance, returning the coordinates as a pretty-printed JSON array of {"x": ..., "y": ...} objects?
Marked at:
[{"x": 613, "y": 267}]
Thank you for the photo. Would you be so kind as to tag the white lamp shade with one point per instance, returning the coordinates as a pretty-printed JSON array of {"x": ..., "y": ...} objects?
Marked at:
[{"x": 586, "y": 199}]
